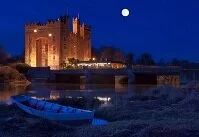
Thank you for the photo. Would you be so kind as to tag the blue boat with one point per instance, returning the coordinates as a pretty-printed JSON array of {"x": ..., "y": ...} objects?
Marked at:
[{"x": 51, "y": 111}]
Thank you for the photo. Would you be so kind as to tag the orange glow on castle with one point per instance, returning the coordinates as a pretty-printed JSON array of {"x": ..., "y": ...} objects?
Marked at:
[{"x": 52, "y": 43}]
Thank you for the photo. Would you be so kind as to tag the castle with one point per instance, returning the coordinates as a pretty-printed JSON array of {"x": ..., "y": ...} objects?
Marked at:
[{"x": 53, "y": 43}]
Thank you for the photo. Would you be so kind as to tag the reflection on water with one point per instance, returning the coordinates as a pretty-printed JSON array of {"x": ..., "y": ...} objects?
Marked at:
[
  {"x": 106, "y": 100},
  {"x": 104, "y": 93},
  {"x": 7, "y": 91}
]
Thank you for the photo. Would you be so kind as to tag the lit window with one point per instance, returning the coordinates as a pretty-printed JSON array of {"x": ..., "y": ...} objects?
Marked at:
[
  {"x": 50, "y": 35},
  {"x": 35, "y": 31}
]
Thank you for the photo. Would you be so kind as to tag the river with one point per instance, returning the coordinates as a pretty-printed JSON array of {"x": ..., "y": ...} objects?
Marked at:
[{"x": 54, "y": 91}]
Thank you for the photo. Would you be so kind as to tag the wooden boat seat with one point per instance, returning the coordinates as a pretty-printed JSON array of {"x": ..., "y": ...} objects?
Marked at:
[
  {"x": 40, "y": 105},
  {"x": 32, "y": 103},
  {"x": 49, "y": 107},
  {"x": 55, "y": 108}
]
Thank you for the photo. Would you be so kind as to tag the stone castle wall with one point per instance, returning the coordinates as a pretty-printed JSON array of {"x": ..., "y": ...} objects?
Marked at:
[{"x": 52, "y": 43}]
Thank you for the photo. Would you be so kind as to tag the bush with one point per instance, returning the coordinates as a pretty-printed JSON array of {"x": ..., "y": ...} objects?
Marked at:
[
  {"x": 8, "y": 74},
  {"x": 21, "y": 67}
]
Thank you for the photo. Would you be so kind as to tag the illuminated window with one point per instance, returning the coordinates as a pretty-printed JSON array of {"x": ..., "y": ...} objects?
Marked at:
[{"x": 50, "y": 35}]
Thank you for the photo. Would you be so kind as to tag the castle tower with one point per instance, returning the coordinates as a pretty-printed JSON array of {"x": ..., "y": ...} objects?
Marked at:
[
  {"x": 85, "y": 33},
  {"x": 52, "y": 43},
  {"x": 76, "y": 26}
]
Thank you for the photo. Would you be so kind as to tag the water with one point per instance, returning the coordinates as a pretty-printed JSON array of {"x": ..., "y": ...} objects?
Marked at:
[
  {"x": 7, "y": 91},
  {"x": 104, "y": 93}
]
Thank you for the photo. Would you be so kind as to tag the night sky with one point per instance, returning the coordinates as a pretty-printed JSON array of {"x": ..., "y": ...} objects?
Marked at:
[{"x": 165, "y": 28}]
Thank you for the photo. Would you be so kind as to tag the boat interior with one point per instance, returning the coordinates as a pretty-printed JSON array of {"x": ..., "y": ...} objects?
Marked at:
[{"x": 49, "y": 107}]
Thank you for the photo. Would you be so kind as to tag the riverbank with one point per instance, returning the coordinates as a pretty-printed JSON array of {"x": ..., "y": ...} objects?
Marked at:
[
  {"x": 158, "y": 112},
  {"x": 12, "y": 76}
]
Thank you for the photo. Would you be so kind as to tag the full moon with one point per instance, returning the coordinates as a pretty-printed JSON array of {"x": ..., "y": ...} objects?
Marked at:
[{"x": 125, "y": 12}]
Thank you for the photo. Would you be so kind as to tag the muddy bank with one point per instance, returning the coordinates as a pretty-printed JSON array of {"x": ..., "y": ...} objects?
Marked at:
[{"x": 172, "y": 113}]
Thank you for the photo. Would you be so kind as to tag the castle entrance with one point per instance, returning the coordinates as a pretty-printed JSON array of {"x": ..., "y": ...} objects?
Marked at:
[{"x": 42, "y": 52}]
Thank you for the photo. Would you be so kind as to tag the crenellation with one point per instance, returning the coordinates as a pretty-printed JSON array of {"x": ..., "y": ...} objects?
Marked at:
[
  {"x": 62, "y": 19},
  {"x": 33, "y": 24}
]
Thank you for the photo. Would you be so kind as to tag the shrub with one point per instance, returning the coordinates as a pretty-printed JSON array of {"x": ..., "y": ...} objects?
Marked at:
[
  {"x": 10, "y": 74},
  {"x": 21, "y": 67}
]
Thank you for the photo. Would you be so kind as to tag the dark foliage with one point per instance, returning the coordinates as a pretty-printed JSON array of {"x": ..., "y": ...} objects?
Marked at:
[
  {"x": 130, "y": 60},
  {"x": 145, "y": 59},
  {"x": 4, "y": 56}
]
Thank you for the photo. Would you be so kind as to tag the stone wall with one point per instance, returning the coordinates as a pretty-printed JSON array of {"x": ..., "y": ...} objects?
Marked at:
[{"x": 52, "y": 43}]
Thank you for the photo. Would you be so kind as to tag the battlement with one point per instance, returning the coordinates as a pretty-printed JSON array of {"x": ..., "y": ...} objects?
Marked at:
[
  {"x": 33, "y": 24},
  {"x": 61, "y": 19}
]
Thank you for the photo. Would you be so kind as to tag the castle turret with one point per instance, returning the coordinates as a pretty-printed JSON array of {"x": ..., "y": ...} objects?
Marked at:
[
  {"x": 85, "y": 31},
  {"x": 76, "y": 26}
]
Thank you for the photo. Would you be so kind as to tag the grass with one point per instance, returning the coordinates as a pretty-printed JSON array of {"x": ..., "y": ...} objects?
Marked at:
[{"x": 158, "y": 113}]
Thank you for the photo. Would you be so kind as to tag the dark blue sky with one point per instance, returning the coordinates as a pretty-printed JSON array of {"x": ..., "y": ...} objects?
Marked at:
[{"x": 165, "y": 28}]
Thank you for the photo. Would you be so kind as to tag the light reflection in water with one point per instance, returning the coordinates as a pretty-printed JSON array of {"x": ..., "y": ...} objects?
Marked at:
[
  {"x": 105, "y": 93},
  {"x": 106, "y": 100},
  {"x": 7, "y": 91}
]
